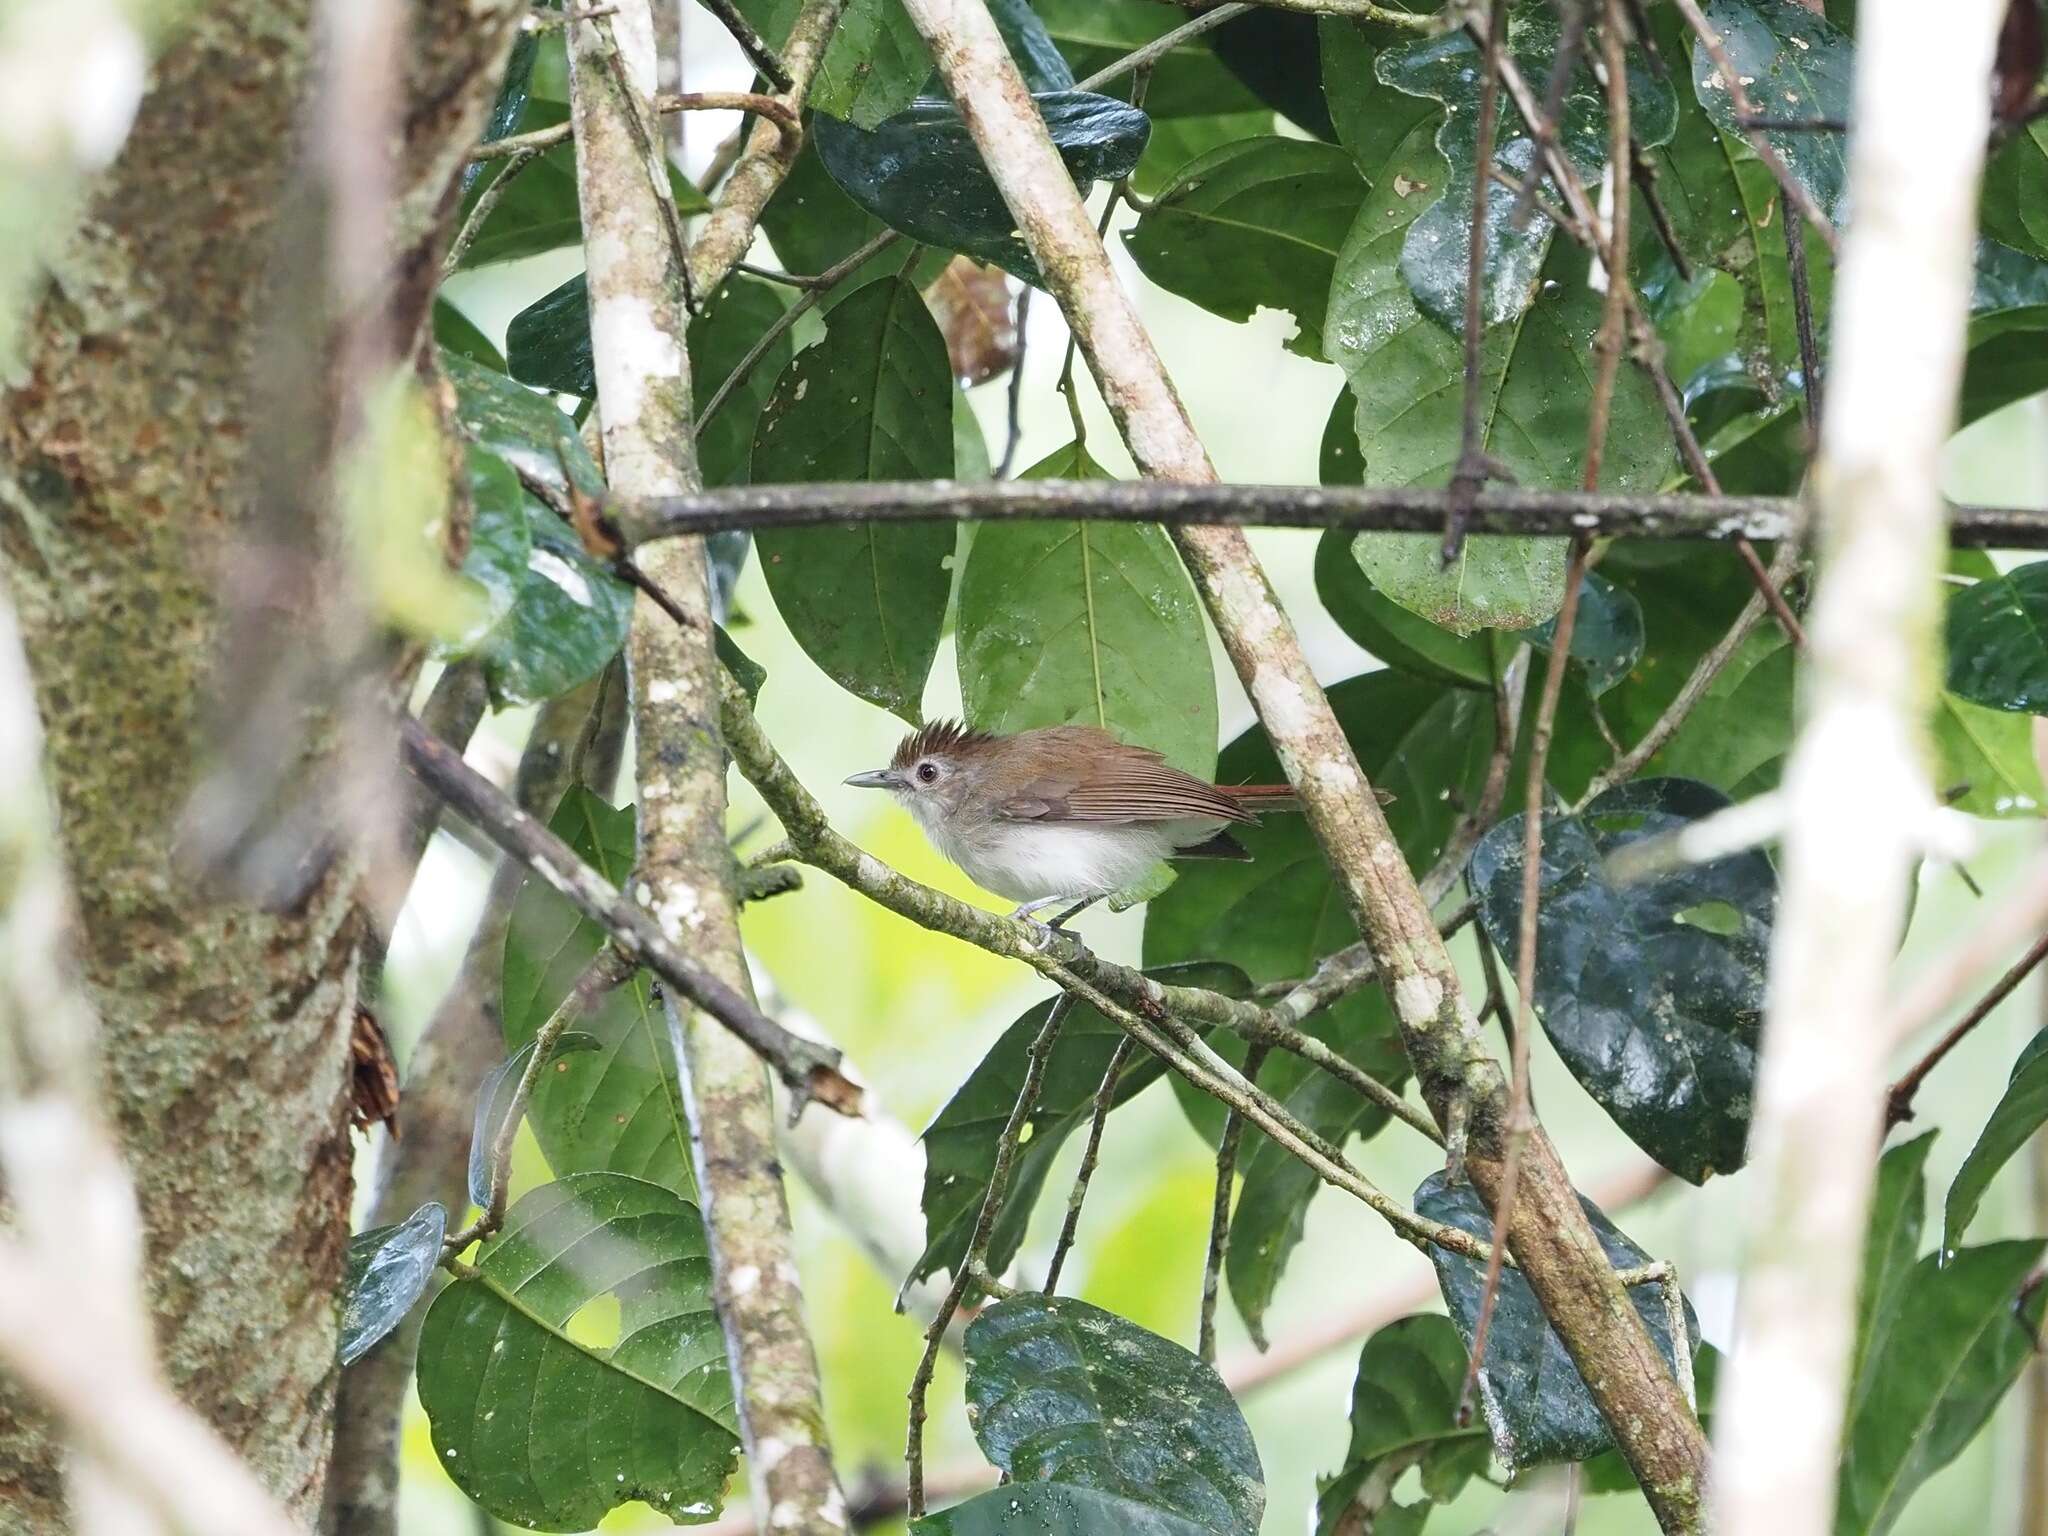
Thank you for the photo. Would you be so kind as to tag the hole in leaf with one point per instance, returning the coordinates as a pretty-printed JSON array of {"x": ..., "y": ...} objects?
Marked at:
[{"x": 1713, "y": 916}]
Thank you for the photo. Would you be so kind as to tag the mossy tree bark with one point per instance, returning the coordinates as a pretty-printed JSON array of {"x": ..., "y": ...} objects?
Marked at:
[{"x": 127, "y": 455}]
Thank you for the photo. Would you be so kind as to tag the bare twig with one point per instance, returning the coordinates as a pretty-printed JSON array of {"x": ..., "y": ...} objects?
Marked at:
[
  {"x": 1802, "y": 313},
  {"x": 1013, "y": 433},
  {"x": 1361, "y": 10},
  {"x": 978, "y": 1241},
  {"x": 1475, "y": 467},
  {"x": 1161, "y": 46},
  {"x": 811, "y": 1071},
  {"x": 1219, "y": 1214},
  {"x": 758, "y": 52},
  {"x": 1899, "y": 1099},
  {"x": 2017, "y": 918},
  {"x": 1105, "y": 1101}
]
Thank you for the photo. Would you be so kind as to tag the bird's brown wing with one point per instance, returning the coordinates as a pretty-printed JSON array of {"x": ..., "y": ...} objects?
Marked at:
[{"x": 1078, "y": 773}]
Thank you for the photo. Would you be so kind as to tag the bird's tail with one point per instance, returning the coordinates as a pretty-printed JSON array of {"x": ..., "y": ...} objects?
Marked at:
[{"x": 1259, "y": 798}]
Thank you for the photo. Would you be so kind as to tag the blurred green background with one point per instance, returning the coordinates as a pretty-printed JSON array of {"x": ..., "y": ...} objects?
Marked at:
[{"x": 915, "y": 1011}]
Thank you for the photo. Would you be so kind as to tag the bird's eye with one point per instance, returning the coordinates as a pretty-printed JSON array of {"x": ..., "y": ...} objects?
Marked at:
[{"x": 927, "y": 773}]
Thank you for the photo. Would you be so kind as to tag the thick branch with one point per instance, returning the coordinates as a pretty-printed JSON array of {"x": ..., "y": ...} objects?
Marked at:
[
  {"x": 683, "y": 872},
  {"x": 1551, "y": 1238},
  {"x": 1856, "y": 787},
  {"x": 1383, "y": 508}
]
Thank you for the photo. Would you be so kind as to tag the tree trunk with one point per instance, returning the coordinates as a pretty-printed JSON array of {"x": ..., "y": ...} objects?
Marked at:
[{"x": 127, "y": 456}]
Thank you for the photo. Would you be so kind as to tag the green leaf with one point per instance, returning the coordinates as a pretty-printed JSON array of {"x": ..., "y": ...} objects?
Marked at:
[
  {"x": 1095, "y": 623},
  {"x": 1607, "y": 634},
  {"x": 1891, "y": 1244},
  {"x": 1794, "y": 66},
  {"x": 1052, "y": 1509},
  {"x": 746, "y": 671},
  {"x": 874, "y": 65},
  {"x": 872, "y": 401},
  {"x": 1536, "y": 1403},
  {"x": 542, "y": 1427},
  {"x": 548, "y": 343},
  {"x": 1998, "y": 641},
  {"x": 1931, "y": 1383},
  {"x": 1062, "y": 1392},
  {"x": 919, "y": 171},
  {"x": 570, "y": 619},
  {"x": 960, "y": 1143},
  {"x": 1653, "y": 991},
  {"x": 1406, "y": 372},
  {"x": 1404, "y": 1412},
  {"x": 1370, "y": 119},
  {"x": 1989, "y": 755},
  {"x": 1741, "y": 730},
  {"x": 2021, "y": 1110},
  {"x": 1435, "y": 249},
  {"x": 526, "y": 430},
  {"x": 389, "y": 1269},
  {"x": 2015, "y": 200},
  {"x": 1254, "y": 224},
  {"x": 458, "y": 333},
  {"x": 500, "y": 548},
  {"x": 1274, "y": 54},
  {"x": 494, "y": 1105},
  {"x": 618, "y": 1108}
]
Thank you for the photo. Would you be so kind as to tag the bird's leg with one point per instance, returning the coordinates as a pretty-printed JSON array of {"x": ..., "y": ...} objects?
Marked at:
[
  {"x": 1074, "y": 911},
  {"x": 1044, "y": 933}
]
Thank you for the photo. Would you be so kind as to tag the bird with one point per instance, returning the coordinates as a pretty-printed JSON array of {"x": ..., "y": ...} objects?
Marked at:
[{"x": 1062, "y": 815}]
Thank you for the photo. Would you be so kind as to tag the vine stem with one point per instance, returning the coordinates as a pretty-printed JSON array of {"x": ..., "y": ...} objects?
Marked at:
[
  {"x": 1105, "y": 1101},
  {"x": 1219, "y": 1218}
]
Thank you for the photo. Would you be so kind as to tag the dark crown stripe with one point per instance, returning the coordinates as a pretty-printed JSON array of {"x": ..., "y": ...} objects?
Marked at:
[{"x": 937, "y": 736}]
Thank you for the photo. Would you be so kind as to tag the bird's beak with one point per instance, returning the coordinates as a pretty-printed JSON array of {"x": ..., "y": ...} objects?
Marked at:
[{"x": 876, "y": 778}]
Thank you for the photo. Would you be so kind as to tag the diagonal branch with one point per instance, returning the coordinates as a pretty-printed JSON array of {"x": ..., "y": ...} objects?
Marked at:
[{"x": 1552, "y": 1239}]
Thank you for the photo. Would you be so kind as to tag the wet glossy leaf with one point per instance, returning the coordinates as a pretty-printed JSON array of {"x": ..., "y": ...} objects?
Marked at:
[
  {"x": 1274, "y": 54},
  {"x": 618, "y": 1108},
  {"x": 1406, "y": 373},
  {"x": 1794, "y": 66},
  {"x": 1254, "y": 224},
  {"x": 500, "y": 548},
  {"x": 1931, "y": 1383},
  {"x": 1998, "y": 640},
  {"x": 960, "y": 1143},
  {"x": 1052, "y": 1509},
  {"x": 1434, "y": 250},
  {"x": 1891, "y": 1245},
  {"x": 507, "y": 1363},
  {"x": 1089, "y": 623},
  {"x": 389, "y": 1269},
  {"x": 1536, "y": 1403},
  {"x": 920, "y": 173},
  {"x": 570, "y": 619},
  {"x": 1404, "y": 1405},
  {"x": 872, "y": 401},
  {"x": 1063, "y": 1392},
  {"x": 494, "y": 1105},
  {"x": 1607, "y": 633},
  {"x": 547, "y": 344},
  {"x": 2021, "y": 1110},
  {"x": 1987, "y": 755},
  {"x": 1369, "y": 118},
  {"x": 1653, "y": 991},
  {"x": 526, "y": 430}
]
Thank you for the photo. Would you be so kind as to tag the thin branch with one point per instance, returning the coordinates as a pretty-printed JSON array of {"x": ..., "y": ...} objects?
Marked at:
[
  {"x": 1694, "y": 688},
  {"x": 1161, "y": 46},
  {"x": 1563, "y": 64},
  {"x": 728, "y": 231},
  {"x": 1219, "y": 1214},
  {"x": 1013, "y": 434},
  {"x": 2018, "y": 917},
  {"x": 1899, "y": 1100},
  {"x": 1759, "y": 141},
  {"x": 1475, "y": 467},
  {"x": 977, "y": 1242},
  {"x": 1105, "y": 1101},
  {"x": 1385, "y": 508},
  {"x": 1358, "y": 10},
  {"x": 486, "y": 203},
  {"x": 608, "y": 970},
  {"x": 537, "y": 141},
  {"x": 757, "y": 51},
  {"x": 811, "y": 1071},
  {"x": 1802, "y": 313}
]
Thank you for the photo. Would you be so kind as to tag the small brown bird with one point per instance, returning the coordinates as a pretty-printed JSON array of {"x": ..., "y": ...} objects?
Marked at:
[{"x": 1062, "y": 815}]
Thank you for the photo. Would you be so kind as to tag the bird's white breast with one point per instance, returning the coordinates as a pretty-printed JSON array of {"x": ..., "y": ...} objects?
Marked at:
[{"x": 1029, "y": 861}]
